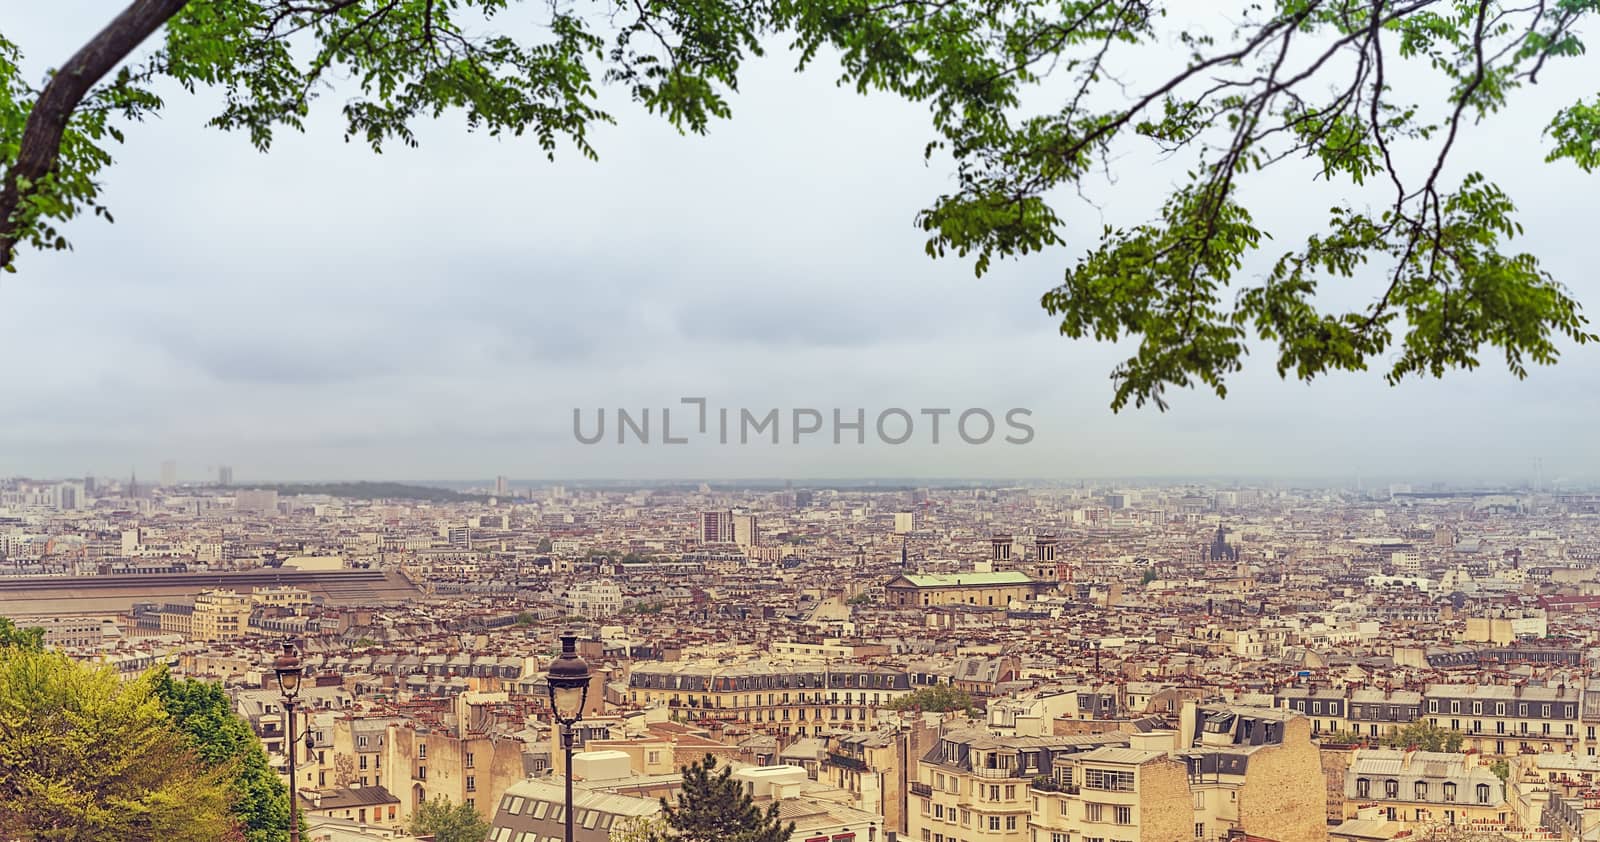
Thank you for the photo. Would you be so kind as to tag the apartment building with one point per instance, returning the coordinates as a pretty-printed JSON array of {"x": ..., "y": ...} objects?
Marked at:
[
  {"x": 220, "y": 615},
  {"x": 795, "y": 699},
  {"x": 1508, "y": 719},
  {"x": 593, "y": 599},
  {"x": 285, "y": 597},
  {"x": 1376, "y": 712},
  {"x": 1422, "y": 789},
  {"x": 1323, "y": 706},
  {"x": 1253, "y": 770},
  {"x": 468, "y": 768},
  {"x": 878, "y": 767},
  {"x": 972, "y": 785}
]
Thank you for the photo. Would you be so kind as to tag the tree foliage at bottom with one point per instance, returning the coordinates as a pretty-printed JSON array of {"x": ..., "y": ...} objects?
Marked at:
[
  {"x": 86, "y": 757},
  {"x": 713, "y": 807},
  {"x": 447, "y": 822},
  {"x": 223, "y": 741}
]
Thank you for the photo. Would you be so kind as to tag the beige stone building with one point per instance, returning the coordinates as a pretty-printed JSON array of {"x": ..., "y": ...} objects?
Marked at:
[
  {"x": 996, "y": 589},
  {"x": 1226, "y": 770},
  {"x": 796, "y": 699},
  {"x": 414, "y": 762},
  {"x": 281, "y": 596},
  {"x": 1423, "y": 789},
  {"x": 220, "y": 615},
  {"x": 972, "y": 785},
  {"x": 876, "y": 767}
]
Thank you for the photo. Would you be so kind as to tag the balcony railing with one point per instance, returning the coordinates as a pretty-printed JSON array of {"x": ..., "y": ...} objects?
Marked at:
[
  {"x": 845, "y": 761},
  {"x": 997, "y": 774},
  {"x": 922, "y": 789},
  {"x": 1047, "y": 784}
]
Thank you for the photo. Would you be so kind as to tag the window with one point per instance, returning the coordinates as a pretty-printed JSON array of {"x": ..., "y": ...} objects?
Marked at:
[
  {"x": 363, "y": 762},
  {"x": 422, "y": 751},
  {"x": 1011, "y": 822},
  {"x": 1123, "y": 815},
  {"x": 472, "y": 784},
  {"x": 1421, "y": 790},
  {"x": 994, "y": 822},
  {"x": 1108, "y": 780},
  {"x": 1483, "y": 793},
  {"x": 1199, "y": 830},
  {"x": 1391, "y": 788},
  {"x": 1011, "y": 792},
  {"x": 1092, "y": 813},
  {"x": 422, "y": 773},
  {"x": 469, "y": 760}
]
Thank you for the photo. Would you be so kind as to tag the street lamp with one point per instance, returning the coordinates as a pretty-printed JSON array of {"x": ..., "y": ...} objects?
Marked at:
[
  {"x": 568, "y": 679},
  {"x": 290, "y": 671}
]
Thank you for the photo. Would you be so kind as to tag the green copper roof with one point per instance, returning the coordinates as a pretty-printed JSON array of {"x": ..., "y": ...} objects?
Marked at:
[{"x": 951, "y": 580}]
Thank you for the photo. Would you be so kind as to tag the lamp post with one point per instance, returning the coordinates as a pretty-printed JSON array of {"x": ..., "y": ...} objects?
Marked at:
[
  {"x": 568, "y": 679},
  {"x": 290, "y": 671}
]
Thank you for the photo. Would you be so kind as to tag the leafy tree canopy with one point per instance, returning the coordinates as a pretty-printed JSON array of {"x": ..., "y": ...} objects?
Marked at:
[
  {"x": 448, "y": 822},
  {"x": 13, "y": 636},
  {"x": 1028, "y": 100},
  {"x": 640, "y": 829},
  {"x": 713, "y": 807},
  {"x": 223, "y": 741},
  {"x": 1425, "y": 736},
  {"x": 86, "y": 755},
  {"x": 938, "y": 698}
]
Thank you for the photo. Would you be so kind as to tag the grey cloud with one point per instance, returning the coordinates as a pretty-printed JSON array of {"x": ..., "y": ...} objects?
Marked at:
[{"x": 444, "y": 308}]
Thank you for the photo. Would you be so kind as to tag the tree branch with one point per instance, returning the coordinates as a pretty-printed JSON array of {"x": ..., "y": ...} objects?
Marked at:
[{"x": 47, "y": 120}]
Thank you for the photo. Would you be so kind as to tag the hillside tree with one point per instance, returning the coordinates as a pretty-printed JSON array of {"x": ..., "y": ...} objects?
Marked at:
[
  {"x": 85, "y": 755},
  {"x": 223, "y": 741}
]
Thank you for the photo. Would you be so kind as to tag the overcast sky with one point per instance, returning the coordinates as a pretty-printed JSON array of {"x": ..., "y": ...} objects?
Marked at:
[{"x": 321, "y": 312}]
